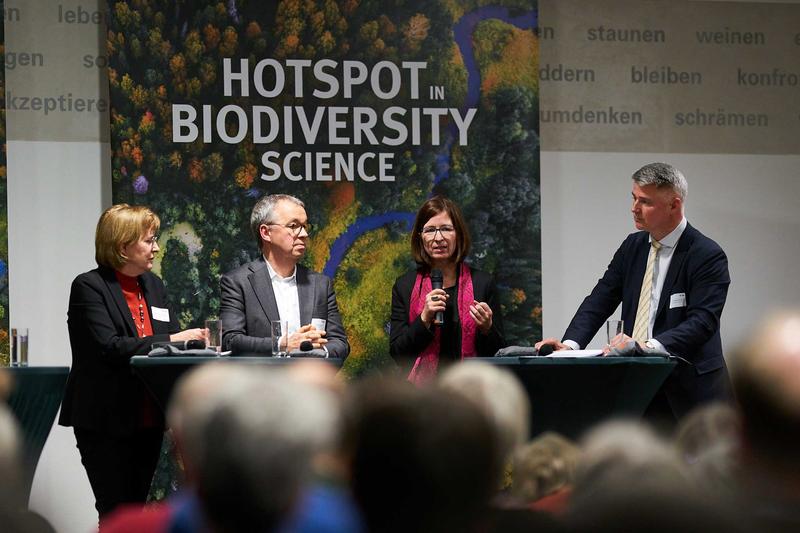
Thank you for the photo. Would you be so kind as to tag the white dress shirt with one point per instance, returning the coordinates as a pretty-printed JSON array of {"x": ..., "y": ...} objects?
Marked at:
[
  {"x": 661, "y": 267},
  {"x": 285, "y": 290}
]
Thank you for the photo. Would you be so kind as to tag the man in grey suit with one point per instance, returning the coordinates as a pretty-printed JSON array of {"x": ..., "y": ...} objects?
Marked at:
[{"x": 275, "y": 287}]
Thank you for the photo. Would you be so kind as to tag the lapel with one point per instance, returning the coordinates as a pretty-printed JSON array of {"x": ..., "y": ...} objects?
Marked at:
[
  {"x": 110, "y": 279},
  {"x": 681, "y": 251},
  {"x": 262, "y": 287},
  {"x": 305, "y": 295}
]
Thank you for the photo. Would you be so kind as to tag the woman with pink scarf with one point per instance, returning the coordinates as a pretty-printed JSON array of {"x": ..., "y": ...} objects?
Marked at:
[{"x": 468, "y": 299}]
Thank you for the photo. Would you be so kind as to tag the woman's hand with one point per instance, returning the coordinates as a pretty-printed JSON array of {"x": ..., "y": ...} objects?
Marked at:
[
  {"x": 195, "y": 334},
  {"x": 435, "y": 301},
  {"x": 481, "y": 313}
]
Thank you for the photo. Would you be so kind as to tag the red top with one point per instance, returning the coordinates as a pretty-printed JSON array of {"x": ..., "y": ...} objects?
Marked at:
[
  {"x": 144, "y": 328},
  {"x": 136, "y": 303}
]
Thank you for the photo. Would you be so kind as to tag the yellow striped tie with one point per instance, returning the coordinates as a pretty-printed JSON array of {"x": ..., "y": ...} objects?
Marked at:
[{"x": 642, "y": 323}]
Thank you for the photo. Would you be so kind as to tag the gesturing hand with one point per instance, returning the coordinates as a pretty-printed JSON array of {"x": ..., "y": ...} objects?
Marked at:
[{"x": 481, "y": 313}]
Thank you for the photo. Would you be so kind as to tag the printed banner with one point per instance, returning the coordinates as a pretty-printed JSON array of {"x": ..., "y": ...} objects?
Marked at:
[{"x": 363, "y": 109}]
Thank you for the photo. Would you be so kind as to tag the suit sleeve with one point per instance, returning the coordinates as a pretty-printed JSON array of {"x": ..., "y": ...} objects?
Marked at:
[
  {"x": 337, "y": 338},
  {"x": 89, "y": 314},
  {"x": 234, "y": 320},
  {"x": 601, "y": 302},
  {"x": 487, "y": 345},
  {"x": 705, "y": 300},
  {"x": 406, "y": 341}
]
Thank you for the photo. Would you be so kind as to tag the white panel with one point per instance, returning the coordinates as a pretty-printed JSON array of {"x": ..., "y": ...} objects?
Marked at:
[
  {"x": 55, "y": 196},
  {"x": 747, "y": 203}
]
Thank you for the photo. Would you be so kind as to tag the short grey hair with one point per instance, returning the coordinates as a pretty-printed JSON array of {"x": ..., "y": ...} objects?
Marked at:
[
  {"x": 662, "y": 175},
  {"x": 253, "y": 439},
  {"x": 499, "y": 395},
  {"x": 264, "y": 209}
]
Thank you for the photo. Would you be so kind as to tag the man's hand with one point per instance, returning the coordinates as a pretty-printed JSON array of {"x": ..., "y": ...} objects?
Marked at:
[
  {"x": 620, "y": 341},
  {"x": 306, "y": 333},
  {"x": 555, "y": 343}
]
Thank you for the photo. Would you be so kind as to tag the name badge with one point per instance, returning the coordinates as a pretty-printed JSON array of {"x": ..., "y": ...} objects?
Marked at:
[
  {"x": 677, "y": 300},
  {"x": 159, "y": 313}
]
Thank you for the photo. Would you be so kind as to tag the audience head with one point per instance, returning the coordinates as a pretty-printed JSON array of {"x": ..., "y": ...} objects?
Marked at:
[
  {"x": 766, "y": 381},
  {"x": 421, "y": 459},
  {"x": 625, "y": 453},
  {"x": 543, "y": 466},
  {"x": 251, "y": 434},
  {"x": 10, "y": 474},
  {"x": 120, "y": 227},
  {"x": 453, "y": 231},
  {"x": 629, "y": 479},
  {"x": 195, "y": 397},
  {"x": 499, "y": 395},
  {"x": 707, "y": 441},
  {"x": 6, "y": 382}
]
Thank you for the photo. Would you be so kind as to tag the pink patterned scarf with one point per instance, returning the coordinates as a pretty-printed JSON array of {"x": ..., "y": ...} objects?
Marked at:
[{"x": 428, "y": 361}]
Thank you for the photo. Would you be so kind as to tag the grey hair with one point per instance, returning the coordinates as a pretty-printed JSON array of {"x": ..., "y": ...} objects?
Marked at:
[
  {"x": 499, "y": 395},
  {"x": 254, "y": 440},
  {"x": 662, "y": 175},
  {"x": 264, "y": 210}
]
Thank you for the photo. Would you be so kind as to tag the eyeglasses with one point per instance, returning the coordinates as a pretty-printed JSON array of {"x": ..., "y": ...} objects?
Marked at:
[
  {"x": 430, "y": 231},
  {"x": 295, "y": 228},
  {"x": 152, "y": 242}
]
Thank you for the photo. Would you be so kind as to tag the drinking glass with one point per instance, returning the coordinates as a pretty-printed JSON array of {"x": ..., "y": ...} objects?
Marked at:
[
  {"x": 280, "y": 337},
  {"x": 214, "y": 340},
  {"x": 614, "y": 327}
]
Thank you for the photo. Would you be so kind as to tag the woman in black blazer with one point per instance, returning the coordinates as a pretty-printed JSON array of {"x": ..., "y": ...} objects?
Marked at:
[
  {"x": 116, "y": 311},
  {"x": 468, "y": 299}
]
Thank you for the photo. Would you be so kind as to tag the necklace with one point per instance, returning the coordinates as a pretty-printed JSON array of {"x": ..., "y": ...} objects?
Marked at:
[{"x": 141, "y": 311}]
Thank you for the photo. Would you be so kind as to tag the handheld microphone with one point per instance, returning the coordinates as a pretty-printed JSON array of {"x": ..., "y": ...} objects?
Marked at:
[
  {"x": 546, "y": 349},
  {"x": 306, "y": 346},
  {"x": 437, "y": 280},
  {"x": 193, "y": 344}
]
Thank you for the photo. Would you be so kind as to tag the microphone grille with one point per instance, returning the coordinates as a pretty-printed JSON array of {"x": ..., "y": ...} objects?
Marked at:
[{"x": 547, "y": 349}]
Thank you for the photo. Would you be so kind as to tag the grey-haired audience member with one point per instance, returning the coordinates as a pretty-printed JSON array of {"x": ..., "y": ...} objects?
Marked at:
[
  {"x": 544, "y": 466},
  {"x": 707, "y": 442},
  {"x": 766, "y": 382},
  {"x": 258, "y": 444},
  {"x": 499, "y": 395},
  {"x": 630, "y": 479}
]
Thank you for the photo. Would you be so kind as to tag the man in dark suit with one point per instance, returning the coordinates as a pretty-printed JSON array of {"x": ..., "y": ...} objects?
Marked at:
[
  {"x": 672, "y": 282},
  {"x": 275, "y": 287}
]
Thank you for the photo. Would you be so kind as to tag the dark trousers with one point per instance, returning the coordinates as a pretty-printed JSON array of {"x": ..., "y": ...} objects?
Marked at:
[{"x": 120, "y": 468}]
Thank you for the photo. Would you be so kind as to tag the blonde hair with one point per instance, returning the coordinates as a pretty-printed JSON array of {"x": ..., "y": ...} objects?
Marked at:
[{"x": 119, "y": 226}]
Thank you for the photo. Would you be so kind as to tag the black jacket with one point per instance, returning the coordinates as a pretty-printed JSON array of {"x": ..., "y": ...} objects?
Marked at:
[
  {"x": 407, "y": 341},
  {"x": 102, "y": 393}
]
